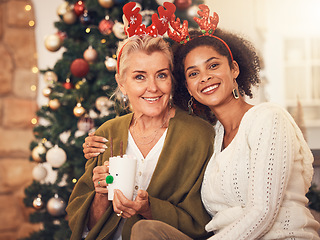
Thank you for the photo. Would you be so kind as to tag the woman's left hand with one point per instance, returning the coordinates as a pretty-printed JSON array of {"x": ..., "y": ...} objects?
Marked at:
[{"x": 130, "y": 208}]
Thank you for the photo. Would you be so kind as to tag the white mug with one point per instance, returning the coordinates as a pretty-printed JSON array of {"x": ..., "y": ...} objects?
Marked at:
[{"x": 123, "y": 171}]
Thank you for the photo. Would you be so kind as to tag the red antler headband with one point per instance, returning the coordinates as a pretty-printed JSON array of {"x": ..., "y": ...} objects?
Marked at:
[
  {"x": 207, "y": 24},
  {"x": 133, "y": 22}
]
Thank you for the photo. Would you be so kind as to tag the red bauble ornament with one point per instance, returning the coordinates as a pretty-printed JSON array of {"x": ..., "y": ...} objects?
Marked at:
[
  {"x": 68, "y": 85},
  {"x": 79, "y": 8},
  {"x": 79, "y": 67},
  {"x": 182, "y": 4},
  {"x": 105, "y": 26}
]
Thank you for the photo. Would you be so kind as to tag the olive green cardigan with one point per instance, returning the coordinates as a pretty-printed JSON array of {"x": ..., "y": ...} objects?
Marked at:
[{"x": 174, "y": 190}]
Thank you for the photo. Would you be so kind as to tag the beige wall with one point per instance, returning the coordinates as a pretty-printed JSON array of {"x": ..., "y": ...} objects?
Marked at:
[{"x": 17, "y": 108}]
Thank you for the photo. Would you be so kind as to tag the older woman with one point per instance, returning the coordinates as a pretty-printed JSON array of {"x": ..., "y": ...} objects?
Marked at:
[{"x": 172, "y": 149}]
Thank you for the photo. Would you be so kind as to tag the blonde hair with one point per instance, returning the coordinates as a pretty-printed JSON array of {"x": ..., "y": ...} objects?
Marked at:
[{"x": 145, "y": 44}]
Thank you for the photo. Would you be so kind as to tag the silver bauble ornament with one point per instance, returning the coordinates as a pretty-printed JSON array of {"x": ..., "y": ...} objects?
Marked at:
[
  {"x": 56, "y": 156},
  {"x": 37, "y": 202},
  {"x": 56, "y": 206}
]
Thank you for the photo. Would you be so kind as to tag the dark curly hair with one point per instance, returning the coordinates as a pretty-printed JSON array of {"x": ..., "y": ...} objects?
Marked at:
[{"x": 243, "y": 53}]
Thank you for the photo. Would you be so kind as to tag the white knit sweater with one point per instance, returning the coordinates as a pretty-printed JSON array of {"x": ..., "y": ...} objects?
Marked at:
[{"x": 255, "y": 188}]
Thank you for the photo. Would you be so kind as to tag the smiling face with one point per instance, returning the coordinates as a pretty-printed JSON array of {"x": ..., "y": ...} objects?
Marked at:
[
  {"x": 209, "y": 78},
  {"x": 147, "y": 82}
]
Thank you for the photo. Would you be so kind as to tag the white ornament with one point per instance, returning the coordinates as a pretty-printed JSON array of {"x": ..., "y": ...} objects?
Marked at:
[
  {"x": 65, "y": 136},
  {"x": 79, "y": 133},
  {"x": 93, "y": 114},
  {"x": 56, "y": 156},
  {"x": 160, "y": 2},
  {"x": 118, "y": 30},
  {"x": 193, "y": 11},
  {"x": 39, "y": 172},
  {"x": 111, "y": 64}
]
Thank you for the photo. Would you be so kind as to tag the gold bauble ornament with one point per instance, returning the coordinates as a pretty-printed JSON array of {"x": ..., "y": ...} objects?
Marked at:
[
  {"x": 54, "y": 104},
  {"x": 63, "y": 8},
  {"x": 70, "y": 17},
  {"x": 50, "y": 77},
  {"x": 37, "y": 151},
  {"x": 53, "y": 42},
  {"x": 106, "y": 3},
  {"x": 78, "y": 110},
  {"x": 46, "y": 91},
  {"x": 37, "y": 202}
]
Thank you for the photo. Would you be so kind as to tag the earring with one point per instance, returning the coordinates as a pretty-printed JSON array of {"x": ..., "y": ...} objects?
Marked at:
[
  {"x": 125, "y": 98},
  {"x": 235, "y": 93},
  {"x": 190, "y": 103}
]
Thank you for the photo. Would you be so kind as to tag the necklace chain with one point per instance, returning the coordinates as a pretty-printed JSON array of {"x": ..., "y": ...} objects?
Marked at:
[{"x": 155, "y": 132}]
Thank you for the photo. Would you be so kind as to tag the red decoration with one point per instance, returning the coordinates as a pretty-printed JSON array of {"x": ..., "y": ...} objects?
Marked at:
[
  {"x": 68, "y": 85},
  {"x": 182, "y": 4},
  {"x": 79, "y": 8},
  {"x": 134, "y": 26},
  {"x": 79, "y": 67},
  {"x": 62, "y": 35},
  {"x": 105, "y": 26}
]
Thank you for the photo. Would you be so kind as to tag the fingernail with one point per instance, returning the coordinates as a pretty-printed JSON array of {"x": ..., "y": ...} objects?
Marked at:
[
  {"x": 95, "y": 154},
  {"x": 101, "y": 150},
  {"x": 105, "y": 146},
  {"x": 105, "y": 140}
]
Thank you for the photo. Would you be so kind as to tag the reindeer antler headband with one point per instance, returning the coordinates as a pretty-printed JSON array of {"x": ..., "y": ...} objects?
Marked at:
[
  {"x": 207, "y": 24},
  {"x": 133, "y": 22}
]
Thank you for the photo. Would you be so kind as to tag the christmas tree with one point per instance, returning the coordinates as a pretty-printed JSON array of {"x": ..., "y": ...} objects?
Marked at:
[{"x": 79, "y": 90}]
